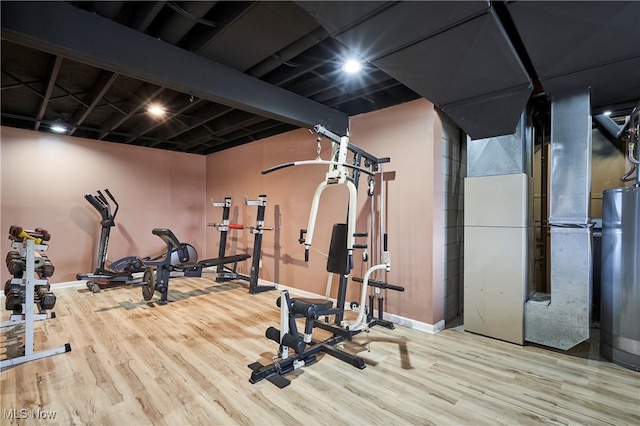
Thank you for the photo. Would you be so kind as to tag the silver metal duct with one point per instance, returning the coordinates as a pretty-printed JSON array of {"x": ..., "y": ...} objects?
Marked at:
[
  {"x": 570, "y": 159},
  {"x": 610, "y": 126},
  {"x": 502, "y": 155},
  {"x": 562, "y": 319},
  {"x": 620, "y": 299}
]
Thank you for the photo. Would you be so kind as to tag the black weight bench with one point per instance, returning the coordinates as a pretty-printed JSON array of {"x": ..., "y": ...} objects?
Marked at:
[
  {"x": 187, "y": 255},
  {"x": 179, "y": 257}
]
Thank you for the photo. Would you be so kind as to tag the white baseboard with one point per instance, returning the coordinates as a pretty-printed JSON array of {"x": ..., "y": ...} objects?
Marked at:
[
  {"x": 415, "y": 325},
  {"x": 68, "y": 284}
]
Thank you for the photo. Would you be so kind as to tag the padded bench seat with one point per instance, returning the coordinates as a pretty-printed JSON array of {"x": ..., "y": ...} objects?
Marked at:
[
  {"x": 302, "y": 304},
  {"x": 223, "y": 260}
]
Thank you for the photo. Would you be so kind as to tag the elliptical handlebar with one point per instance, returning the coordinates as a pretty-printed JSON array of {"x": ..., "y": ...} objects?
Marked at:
[
  {"x": 114, "y": 202},
  {"x": 102, "y": 205}
]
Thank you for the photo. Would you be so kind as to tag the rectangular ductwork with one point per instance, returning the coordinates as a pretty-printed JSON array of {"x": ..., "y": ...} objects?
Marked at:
[
  {"x": 502, "y": 155},
  {"x": 562, "y": 319},
  {"x": 574, "y": 44},
  {"x": 570, "y": 160},
  {"x": 458, "y": 55}
]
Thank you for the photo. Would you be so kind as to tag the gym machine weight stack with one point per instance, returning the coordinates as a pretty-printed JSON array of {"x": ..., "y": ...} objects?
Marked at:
[{"x": 24, "y": 292}]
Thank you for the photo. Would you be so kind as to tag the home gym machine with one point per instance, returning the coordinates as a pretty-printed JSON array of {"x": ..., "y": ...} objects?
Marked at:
[
  {"x": 157, "y": 273},
  {"x": 29, "y": 289},
  {"x": 339, "y": 261},
  {"x": 120, "y": 271},
  {"x": 225, "y": 273}
]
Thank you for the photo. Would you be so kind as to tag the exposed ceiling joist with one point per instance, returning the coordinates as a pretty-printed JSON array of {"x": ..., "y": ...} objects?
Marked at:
[
  {"x": 116, "y": 121},
  {"x": 104, "y": 82},
  {"x": 53, "y": 75}
]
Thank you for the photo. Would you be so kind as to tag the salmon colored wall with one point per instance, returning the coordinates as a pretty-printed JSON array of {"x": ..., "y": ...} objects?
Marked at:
[
  {"x": 411, "y": 135},
  {"x": 44, "y": 177},
  {"x": 237, "y": 173},
  {"x": 167, "y": 189}
]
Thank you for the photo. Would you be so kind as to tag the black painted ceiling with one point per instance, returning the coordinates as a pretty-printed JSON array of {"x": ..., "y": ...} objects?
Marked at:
[{"x": 232, "y": 72}]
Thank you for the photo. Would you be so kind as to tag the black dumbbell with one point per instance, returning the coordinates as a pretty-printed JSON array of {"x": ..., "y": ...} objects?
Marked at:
[
  {"x": 47, "y": 300},
  {"x": 14, "y": 300}
]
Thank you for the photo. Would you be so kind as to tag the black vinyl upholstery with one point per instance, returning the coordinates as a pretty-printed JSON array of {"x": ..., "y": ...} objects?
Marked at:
[{"x": 337, "y": 258}]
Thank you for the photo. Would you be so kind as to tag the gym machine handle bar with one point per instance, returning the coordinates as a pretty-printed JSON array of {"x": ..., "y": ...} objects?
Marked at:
[{"x": 316, "y": 162}]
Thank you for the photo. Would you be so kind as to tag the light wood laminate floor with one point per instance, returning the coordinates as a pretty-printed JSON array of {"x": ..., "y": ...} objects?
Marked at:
[{"x": 186, "y": 363}]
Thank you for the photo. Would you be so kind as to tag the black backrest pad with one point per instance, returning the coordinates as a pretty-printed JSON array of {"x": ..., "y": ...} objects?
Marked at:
[
  {"x": 337, "y": 258},
  {"x": 168, "y": 237}
]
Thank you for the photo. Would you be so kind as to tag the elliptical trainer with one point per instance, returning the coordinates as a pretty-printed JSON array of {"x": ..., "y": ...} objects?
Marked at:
[{"x": 121, "y": 270}]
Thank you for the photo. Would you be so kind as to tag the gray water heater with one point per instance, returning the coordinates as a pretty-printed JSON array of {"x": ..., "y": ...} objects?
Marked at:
[{"x": 620, "y": 297}]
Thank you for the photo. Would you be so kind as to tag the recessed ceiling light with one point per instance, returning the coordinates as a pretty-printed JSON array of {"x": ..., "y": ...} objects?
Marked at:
[
  {"x": 58, "y": 128},
  {"x": 156, "y": 110},
  {"x": 352, "y": 66},
  {"x": 607, "y": 113}
]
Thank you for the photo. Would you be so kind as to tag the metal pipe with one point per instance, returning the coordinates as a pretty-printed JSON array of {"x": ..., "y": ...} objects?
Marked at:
[
  {"x": 634, "y": 136},
  {"x": 544, "y": 215},
  {"x": 359, "y": 323},
  {"x": 609, "y": 125}
]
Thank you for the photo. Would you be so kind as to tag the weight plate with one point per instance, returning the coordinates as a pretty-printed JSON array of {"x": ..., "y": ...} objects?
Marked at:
[{"x": 147, "y": 284}]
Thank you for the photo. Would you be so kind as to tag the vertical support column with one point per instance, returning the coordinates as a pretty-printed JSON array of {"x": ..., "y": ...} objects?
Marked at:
[
  {"x": 498, "y": 233},
  {"x": 561, "y": 320},
  {"x": 29, "y": 280}
]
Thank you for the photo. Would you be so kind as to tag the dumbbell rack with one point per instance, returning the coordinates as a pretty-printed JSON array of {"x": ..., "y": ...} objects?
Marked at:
[{"x": 28, "y": 317}]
